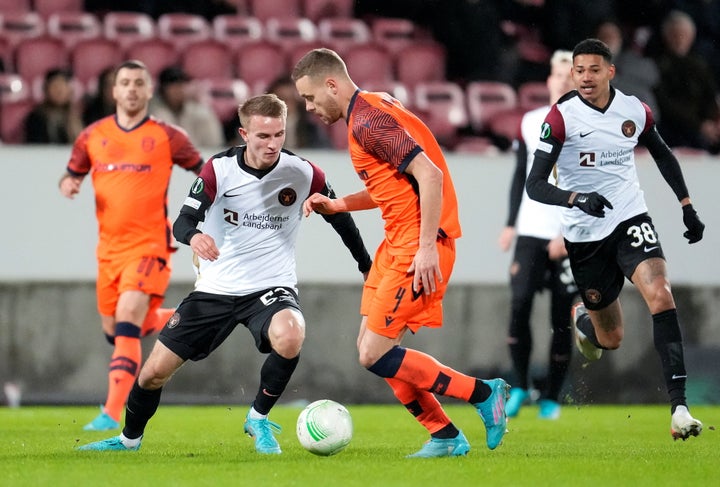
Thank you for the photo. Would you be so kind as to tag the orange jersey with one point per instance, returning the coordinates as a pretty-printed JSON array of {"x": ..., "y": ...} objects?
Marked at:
[
  {"x": 383, "y": 138},
  {"x": 131, "y": 172}
]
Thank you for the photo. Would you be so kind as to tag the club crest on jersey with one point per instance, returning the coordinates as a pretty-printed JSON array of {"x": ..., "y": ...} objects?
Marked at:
[
  {"x": 545, "y": 130},
  {"x": 174, "y": 320},
  {"x": 148, "y": 144},
  {"x": 587, "y": 159},
  {"x": 628, "y": 128},
  {"x": 287, "y": 196},
  {"x": 593, "y": 296},
  {"x": 198, "y": 186}
]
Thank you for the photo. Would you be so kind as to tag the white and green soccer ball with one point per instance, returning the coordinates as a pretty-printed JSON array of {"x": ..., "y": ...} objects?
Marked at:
[{"x": 324, "y": 427}]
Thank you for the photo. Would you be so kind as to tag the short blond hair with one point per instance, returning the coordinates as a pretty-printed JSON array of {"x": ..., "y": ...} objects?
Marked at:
[
  {"x": 266, "y": 105},
  {"x": 561, "y": 57}
]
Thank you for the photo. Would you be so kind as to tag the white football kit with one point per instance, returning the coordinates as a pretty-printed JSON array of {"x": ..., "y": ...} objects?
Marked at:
[
  {"x": 598, "y": 155},
  {"x": 254, "y": 219}
]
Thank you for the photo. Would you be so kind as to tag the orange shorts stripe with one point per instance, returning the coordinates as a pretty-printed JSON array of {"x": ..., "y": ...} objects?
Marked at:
[
  {"x": 149, "y": 274},
  {"x": 388, "y": 299}
]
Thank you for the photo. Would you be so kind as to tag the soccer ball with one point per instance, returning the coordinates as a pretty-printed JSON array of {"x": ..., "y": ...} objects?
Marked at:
[{"x": 324, "y": 427}]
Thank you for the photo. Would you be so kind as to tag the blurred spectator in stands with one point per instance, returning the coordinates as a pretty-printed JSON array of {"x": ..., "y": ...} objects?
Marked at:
[
  {"x": 101, "y": 103},
  {"x": 301, "y": 131},
  {"x": 635, "y": 74},
  {"x": 176, "y": 104},
  {"x": 706, "y": 15},
  {"x": 56, "y": 119},
  {"x": 686, "y": 92}
]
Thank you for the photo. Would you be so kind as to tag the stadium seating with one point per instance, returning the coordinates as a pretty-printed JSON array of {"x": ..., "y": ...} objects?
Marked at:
[
  {"x": 48, "y": 7},
  {"x": 369, "y": 62},
  {"x": 476, "y": 145},
  {"x": 90, "y": 57},
  {"x": 35, "y": 56},
  {"x": 73, "y": 27},
  {"x": 441, "y": 105},
  {"x": 157, "y": 54},
  {"x": 533, "y": 94},
  {"x": 394, "y": 88},
  {"x": 224, "y": 95},
  {"x": 12, "y": 117},
  {"x": 342, "y": 33},
  {"x": 235, "y": 30},
  {"x": 207, "y": 59},
  {"x": 395, "y": 34},
  {"x": 183, "y": 29},
  {"x": 506, "y": 124},
  {"x": 420, "y": 63},
  {"x": 267, "y": 9},
  {"x": 17, "y": 26},
  {"x": 15, "y": 5},
  {"x": 259, "y": 63},
  {"x": 127, "y": 28},
  {"x": 287, "y": 32},
  {"x": 485, "y": 99},
  {"x": 13, "y": 88},
  {"x": 299, "y": 50},
  {"x": 316, "y": 10}
]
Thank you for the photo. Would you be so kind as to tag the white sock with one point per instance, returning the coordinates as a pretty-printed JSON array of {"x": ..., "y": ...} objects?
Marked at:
[
  {"x": 129, "y": 442},
  {"x": 255, "y": 415}
]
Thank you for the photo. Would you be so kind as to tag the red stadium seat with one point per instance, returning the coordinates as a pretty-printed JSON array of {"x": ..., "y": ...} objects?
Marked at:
[
  {"x": 236, "y": 30},
  {"x": 397, "y": 34},
  {"x": 73, "y": 27},
  {"x": 420, "y": 63},
  {"x": 260, "y": 63},
  {"x": 267, "y": 9},
  {"x": 207, "y": 59},
  {"x": 157, "y": 54},
  {"x": 299, "y": 50},
  {"x": 17, "y": 26},
  {"x": 506, "y": 124},
  {"x": 342, "y": 33},
  {"x": 398, "y": 90},
  {"x": 127, "y": 28},
  {"x": 12, "y": 120},
  {"x": 183, "y": 29},
  {"x": 48, "y": 7},
  {"x": 441, "y": 105},
  {"x": 15, "y": 6},
  {"x": 369, "y": 62},
  {"x": 316, "y": 10},
  {"x": 90, "y": 57},
  {"x": 533, "y": 94},
  {"x": 34, "y": 57},
  {"x": 224, "y": 95},
  {"x": 485, "y": 99},
  {"x": 287, "y": 32}
]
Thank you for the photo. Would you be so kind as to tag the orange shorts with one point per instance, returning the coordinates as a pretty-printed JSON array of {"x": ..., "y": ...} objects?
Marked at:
[
  {"x": 388, "y": 299},
  {"x": 149, "y": 274}
]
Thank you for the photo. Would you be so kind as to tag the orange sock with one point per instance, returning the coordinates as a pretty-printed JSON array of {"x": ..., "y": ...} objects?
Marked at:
[
  {"x": 421, "y": 404},
  {"x": 124, "y": 367},
  {"x": 427, "y": 374},
  {"x": 155, "y": 320}
]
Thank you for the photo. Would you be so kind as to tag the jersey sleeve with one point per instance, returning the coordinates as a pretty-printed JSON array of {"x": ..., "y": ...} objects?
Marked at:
[
  {"x": 184, "y": 153},
  {"x": 80, "y": 163},
  {"x": 318, "y": 182},
  {"x": 383, "y": 136}
]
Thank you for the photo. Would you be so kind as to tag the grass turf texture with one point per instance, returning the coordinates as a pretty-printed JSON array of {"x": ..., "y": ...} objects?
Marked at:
[{"x": 204, "y": 445}]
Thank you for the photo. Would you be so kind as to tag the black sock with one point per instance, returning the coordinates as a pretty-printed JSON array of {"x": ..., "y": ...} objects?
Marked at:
[
  {"x": 584, "y": 324},
  {"x": 141, "y": 406},
  {"x": 481, "y": 392},
  {"x": 449, "y": 431},
  {"x": 668, "y": 343},
  {"x": 274, "y": 377}
]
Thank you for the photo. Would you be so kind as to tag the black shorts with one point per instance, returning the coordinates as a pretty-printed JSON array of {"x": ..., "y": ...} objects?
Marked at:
[
  {"x": 533, "y": 270},
  {"x": 204, "y": 320},
  {"x": 600, "y": 267}
]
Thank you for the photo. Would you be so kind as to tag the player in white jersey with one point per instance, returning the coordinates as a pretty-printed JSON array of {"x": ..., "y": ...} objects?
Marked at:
[
  {"x": 249, "y": 200},
  {"x": 539, "y": 261},
  {"x": 590, "y": 136}
]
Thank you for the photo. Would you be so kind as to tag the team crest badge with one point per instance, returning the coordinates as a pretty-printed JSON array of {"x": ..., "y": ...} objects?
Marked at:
[
  {"x": 174, "y": 320},
  {"x": 148, "y": 144},
  {"x": 628, "y": 128},
  {"x": 593, "y": 296},
  {"x": 287, "y": 196}
]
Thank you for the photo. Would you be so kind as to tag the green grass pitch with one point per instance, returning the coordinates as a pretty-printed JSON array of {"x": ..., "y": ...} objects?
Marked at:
[{"x": 204, "y": 446}]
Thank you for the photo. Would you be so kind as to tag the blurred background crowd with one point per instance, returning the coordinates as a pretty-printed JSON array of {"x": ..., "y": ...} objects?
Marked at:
[{"x": 470, "y": 68}]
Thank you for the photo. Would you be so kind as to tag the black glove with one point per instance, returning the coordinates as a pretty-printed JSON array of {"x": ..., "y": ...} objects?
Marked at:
[
  {"x": 695, "y": 227},
  {"x": 592, "y": 203}
]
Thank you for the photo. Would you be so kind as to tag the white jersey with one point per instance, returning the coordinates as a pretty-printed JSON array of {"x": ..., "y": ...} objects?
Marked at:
[
  {"x": 536, "y": 219},
  {"x": 598, "y": 155},
  {"x": 254, "y": 218}
]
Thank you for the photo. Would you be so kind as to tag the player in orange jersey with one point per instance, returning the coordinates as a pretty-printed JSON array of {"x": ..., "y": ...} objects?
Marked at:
[
  {"x": 130, "y": 156},
  {"x": 406, "y": 177}
]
